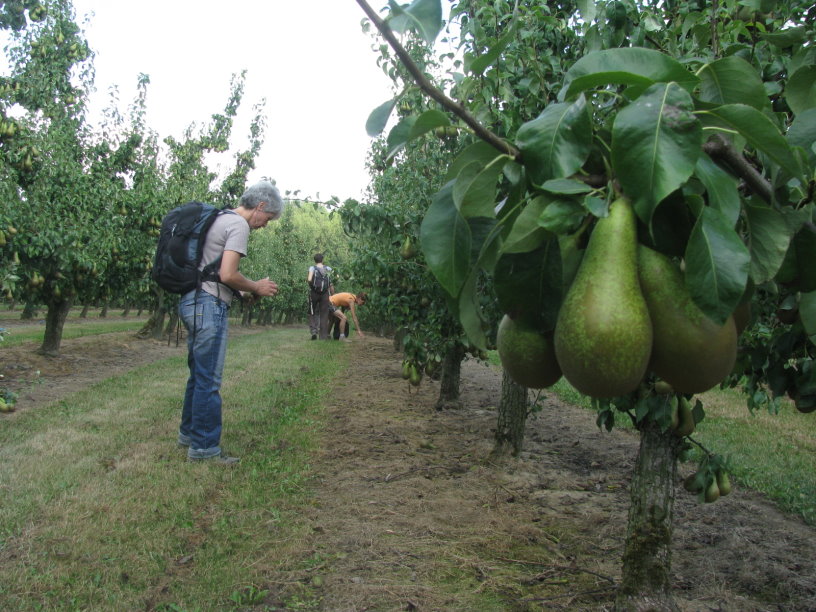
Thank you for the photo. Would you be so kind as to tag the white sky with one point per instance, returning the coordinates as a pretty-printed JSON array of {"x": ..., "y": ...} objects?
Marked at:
[{"x": 310, "y": 60}]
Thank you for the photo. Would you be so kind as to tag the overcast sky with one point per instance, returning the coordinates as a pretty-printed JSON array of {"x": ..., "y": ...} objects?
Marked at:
[{"x": 310, "y": 60}]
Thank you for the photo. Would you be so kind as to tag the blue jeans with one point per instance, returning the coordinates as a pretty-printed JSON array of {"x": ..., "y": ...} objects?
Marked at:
[{"x": 205, "y": 317}]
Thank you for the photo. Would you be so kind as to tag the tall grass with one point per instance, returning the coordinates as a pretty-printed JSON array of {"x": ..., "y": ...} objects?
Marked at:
[{"x": 100, "y": 510}]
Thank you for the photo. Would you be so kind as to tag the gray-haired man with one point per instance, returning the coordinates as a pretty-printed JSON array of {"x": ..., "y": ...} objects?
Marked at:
[{"x": 204, "y": 313}]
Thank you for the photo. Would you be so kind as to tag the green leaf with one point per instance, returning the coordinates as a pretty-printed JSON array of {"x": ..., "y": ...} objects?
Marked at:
[
  {"x": 768, "y": 240},
  {"x": 423, "y": 15},
  {"x": 656, "y": 142},
  {"x": 562, "y": 216},
  {"x": 721, "y": 188},
  {"x": 479, "y": 152},
  {"x": 485, "y": 242},
  {"x": 807, "y": 312},
  {"x": 565, "y": 187},
  {"x": 587, "y": 10},
  {"x": 625, "y": 66},
  {"x": 717, "y": 265},
  {"x": 802, "y": 133},
  {"x": 470, "y": 313},
  {"x": 800, "y": 92},
  {"x": 786, "y": 38},
  {"x": 446, "y": 241},
  {"x": 757, "y": 129},
  {"x": 529, "y": 285},
  {"x": 477, "y": 197},
  {"x": 556, "y": 143},
  {"x": 478, "y": 65},
  {"x": 399, "y": 135},
  {"x": 376, "y": 121},
  {"x": 732, "y": 80},
  {"x": 527, "y": 234},
  {"x": 428, "y": 121}
]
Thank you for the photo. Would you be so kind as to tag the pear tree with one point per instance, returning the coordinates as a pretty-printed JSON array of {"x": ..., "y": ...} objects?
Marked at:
[{"x": 636, "y": 182}]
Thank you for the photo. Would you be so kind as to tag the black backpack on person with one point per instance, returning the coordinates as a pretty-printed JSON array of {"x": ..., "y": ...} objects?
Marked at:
[
  {"x": 321, "y": 280},
  {"x": 181, "y": 246}
]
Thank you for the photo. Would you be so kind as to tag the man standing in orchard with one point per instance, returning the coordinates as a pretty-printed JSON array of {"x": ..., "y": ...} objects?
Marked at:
[{"x": 204, "y": 313}]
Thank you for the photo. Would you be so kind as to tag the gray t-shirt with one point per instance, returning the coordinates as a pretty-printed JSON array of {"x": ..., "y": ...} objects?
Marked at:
[{"x": 229, "y": 232}]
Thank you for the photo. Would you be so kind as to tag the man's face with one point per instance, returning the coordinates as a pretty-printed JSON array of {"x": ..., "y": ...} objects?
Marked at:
[{"x": 260, "y": 218}]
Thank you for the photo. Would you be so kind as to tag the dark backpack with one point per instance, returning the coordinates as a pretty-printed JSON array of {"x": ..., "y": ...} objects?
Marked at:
[
  {"x": 181, "y": 246},
  {"x": 320, "y": 280}
]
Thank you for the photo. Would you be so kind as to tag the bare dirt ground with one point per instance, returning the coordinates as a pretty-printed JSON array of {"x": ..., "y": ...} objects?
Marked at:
[{"x": 408, "y": 499}]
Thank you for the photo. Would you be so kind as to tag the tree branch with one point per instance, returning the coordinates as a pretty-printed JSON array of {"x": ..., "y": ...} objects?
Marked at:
[
  {"x": 429, "y": 88},
  {"x": 718, "y": 147}
]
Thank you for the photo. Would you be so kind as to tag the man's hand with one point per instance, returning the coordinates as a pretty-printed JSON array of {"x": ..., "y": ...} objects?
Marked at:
[{"x": 265, "y": 287}]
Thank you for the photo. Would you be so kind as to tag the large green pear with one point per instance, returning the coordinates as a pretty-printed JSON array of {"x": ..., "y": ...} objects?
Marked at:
[
  {"x": 691, "y": 352},
  {"x": 603, "y": 336},
  {"x": 527, "y": 355}
]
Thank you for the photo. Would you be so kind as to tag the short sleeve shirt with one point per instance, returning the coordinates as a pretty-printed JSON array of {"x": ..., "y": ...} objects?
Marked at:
[
  {"x": 229, "y": 232},
  {"x": 342, "y": 299}
]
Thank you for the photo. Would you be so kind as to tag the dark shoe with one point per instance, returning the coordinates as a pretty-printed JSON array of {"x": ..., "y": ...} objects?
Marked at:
[{"x": 220, "y": 459}]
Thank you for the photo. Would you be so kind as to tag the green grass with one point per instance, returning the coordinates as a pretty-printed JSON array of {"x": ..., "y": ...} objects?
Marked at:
[
  {"x": 100, "y": 510},
  {"x": 772, "y": 454},
  {"x": 76, "y": 329}
]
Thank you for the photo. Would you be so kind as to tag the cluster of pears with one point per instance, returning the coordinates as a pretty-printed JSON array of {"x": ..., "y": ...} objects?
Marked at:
[
  {"x": 710, "y": 482},
  {"x": 627, "y": 312}
]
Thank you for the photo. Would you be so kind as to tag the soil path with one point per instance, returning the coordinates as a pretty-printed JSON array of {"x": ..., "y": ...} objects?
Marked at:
[
  {"x": 408, "y": 498},
  {"x": 409, "y": 493}
]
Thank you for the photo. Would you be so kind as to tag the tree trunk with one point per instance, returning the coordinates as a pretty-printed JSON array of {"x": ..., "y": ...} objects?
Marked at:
[
  {"x": 154, "y": 326},
  {"x": 29, "y": 312},
  {"x": 126, "y": 311},
  {"x": 512, "y": 417},
  {"x": 104, "y": 312},
  {"x": 449, "y": 384},
  {"x": 54, "y": 323},
  {"x": 173, "y": 328},
  {"x": 646, "y": 577},
  {"x": 246, "y": 318},
  {"x": 84, "y": 313},
  {"x": 13, "y": 304}
]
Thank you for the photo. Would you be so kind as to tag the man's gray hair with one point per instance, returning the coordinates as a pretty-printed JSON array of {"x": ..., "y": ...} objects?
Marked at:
[{"x": 263, "y": 193}]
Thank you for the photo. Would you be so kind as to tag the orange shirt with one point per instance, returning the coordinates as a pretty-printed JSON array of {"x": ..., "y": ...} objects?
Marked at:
[{"x": 342, "y": 299}]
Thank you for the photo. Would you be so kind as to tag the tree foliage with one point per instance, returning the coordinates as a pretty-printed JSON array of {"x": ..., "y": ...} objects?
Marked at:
[{"x": 701, "y": 115}]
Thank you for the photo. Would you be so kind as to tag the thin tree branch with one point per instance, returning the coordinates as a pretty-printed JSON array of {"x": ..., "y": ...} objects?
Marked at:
[
  {"x": 718, "y": 147},
  {"x": 429, "y": 88}
]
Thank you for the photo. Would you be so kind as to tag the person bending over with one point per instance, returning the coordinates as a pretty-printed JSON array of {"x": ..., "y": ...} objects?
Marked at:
[{"x": 343, "y": 302}]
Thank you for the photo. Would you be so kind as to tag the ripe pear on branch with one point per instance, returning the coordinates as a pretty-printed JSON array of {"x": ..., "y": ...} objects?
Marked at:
[
  {"x": 691, "y": 352},
  {"x": 603, "y": 335},
  {"x": 527, "y": 355}
]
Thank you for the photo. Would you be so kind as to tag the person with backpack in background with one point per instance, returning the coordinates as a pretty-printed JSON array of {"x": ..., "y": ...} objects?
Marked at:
[
  {"x": 343, "y": 302},
  {"x": 204, "y": 311},
  {"x": 319, "y": 281}
]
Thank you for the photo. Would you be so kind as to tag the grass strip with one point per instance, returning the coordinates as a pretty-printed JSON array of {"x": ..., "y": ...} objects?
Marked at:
[
  {"x": 100, "y": 510},
  {"x": 78, "y": 329}
]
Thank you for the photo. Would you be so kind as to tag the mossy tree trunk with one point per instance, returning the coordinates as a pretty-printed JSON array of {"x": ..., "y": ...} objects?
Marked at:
[
  {"x": 103, "y": 314},
  {"x": 84, "y": 313},
  {"x": 54, "y": 322},
  {"x": 512, "y": 417},
  {"x": 646, "y": 577},
  {"x": 451, "y": 374}
]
